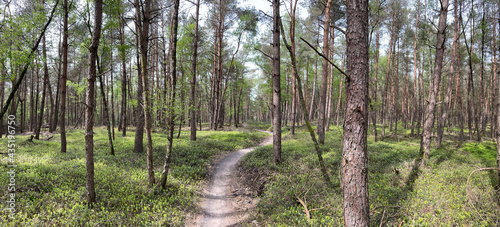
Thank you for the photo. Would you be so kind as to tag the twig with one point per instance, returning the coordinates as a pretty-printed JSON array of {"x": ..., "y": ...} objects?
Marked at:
[
  {"x": 326, "y": 58},
  {"x": 267, "y": 55},
  {"x": 382, "y": 219}
]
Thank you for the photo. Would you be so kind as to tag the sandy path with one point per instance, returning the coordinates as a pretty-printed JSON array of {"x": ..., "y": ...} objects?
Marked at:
[{"x": 219, "y": 205}]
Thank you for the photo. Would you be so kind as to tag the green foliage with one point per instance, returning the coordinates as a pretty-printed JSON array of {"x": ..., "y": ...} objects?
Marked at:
[
  {"x": 486, "y": 152},
  {"x": 50, "y": 186}
]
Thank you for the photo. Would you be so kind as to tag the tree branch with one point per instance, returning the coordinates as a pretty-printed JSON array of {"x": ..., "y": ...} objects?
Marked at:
[
  {"x": 267, "y": 55},
  {"x": 322, "y": 55}
]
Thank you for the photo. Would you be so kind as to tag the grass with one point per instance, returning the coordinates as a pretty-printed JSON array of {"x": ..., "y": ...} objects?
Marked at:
[
  {"x": 50, "y": 186},
  {"x": 438, "y": 197}
]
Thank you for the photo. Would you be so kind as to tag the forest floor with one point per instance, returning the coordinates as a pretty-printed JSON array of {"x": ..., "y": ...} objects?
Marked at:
[
  {"x": 50, "y": 186},
  {"x": 225, "y": 201},
  {"x": 439, "y": 196}
]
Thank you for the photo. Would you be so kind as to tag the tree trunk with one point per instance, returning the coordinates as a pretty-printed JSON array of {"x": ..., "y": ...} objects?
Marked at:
[
  {"x": 171, "y": 101},
  {"x": 45, "y": 82},
  {"x": 123, "y": 114},
  {"x": 139, "y": 112},
  {"x": 493, "y": 84},
  {"x": 144, "y": 42},
  {"x": 354, "y": 141},
  {"x": 90, "y": 103},
  {"x": 374, "y": 105},
  {"x": 106, "y": 115},
  {"x": 498, "y": 119},
  {"x": 293, "y": 7},
  {"x": 425, "y": 146},
  {"x": 445, "y": 106},
  {"x": 384, "y": 98},
  {"x": 192, "y": 95},
  {"x": 320, "y": 129},
  {"x": 276, "y": 107}
]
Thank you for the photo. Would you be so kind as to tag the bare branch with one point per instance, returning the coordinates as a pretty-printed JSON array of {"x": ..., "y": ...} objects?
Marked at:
[
  {"x": 322, "y": 55},
  {"x": 267, "y": 55}
]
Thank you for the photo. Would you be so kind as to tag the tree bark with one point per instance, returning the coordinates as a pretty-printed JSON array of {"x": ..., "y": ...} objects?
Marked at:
[
  {"x": 171, "y": 101},
  {"x": 106, "y": 115},
  {"x": 384, "y": 98},
  {"x": 276, "y": 107},
  {"x": 45, "y": 82},
  {"x": 90, "y": 103},
  {"x": 375, "y": 84},
  {"x": 192, "y": 94},
  {"x": 425, "y": 146},
  {"x": 123, "y": 114},
  {"x": 320, "y": 129},
  {"x": 139, "y": 112},
  {"x": 354, "y": 141},
  {"x": 446, "y": 105},
  {"x": 493, "y": 84},
  {"x": 144, "y": 42},
  {"x": 293, "y": 7},
  {"x": 498, "y": 118}
]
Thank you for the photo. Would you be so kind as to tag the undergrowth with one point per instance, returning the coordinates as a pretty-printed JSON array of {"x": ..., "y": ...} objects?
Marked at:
[
  {"x": 438, "y": 197},
  {"x": 50, "y": 186}
]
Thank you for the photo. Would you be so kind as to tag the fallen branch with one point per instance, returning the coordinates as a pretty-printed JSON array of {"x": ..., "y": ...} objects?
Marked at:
[{"x": 308, "y": 214}]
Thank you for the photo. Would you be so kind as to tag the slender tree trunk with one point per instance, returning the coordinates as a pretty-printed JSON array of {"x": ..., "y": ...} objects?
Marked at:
[
  {"x": 445, "y": 106},
  {"x": 144, "y": 42},
  {"x": 112, "y": 100},
  {"x": 123, "y": 114},
  {"x": 90, "y": 103},
  {"x": 311, "y": 109},
  {"x": 45, "y": 82},
  {"x": 192, "y": 95},
  {"x": 139, "y": 112},
  {"x": 498, "y": 118},
  {"x": 293, "y": 7},
  {"x": 493, "y": 85},
  {"x": 482, "y": 100},
  {"x": 32, "y": 103},
  {"x": 339, "y": 102},
  {"x": 354, "y": 141},
  {"x": 384, "y": 98},
  {"x": 320, "y": 129},
  {"x": 395, "y": 93},
  {"x": 375, "y": 84},
  {"x": 106, "y": 115},
  {"x": 425, "y": 147},
  {"x": 171, "y": 102},
  {"x": 276, "y": 107}
]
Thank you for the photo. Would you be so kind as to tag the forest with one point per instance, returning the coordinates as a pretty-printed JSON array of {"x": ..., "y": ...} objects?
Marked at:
[{"x": 249, "y": 113}]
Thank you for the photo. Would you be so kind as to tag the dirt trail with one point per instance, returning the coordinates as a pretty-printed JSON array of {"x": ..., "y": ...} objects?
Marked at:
[{"x": 220, "y": 205}]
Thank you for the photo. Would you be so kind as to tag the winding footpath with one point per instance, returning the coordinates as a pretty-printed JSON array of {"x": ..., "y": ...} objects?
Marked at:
[{"x": 218, "y": 206}]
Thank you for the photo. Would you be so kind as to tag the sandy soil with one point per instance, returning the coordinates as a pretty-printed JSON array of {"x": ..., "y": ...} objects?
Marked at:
[{"x": 224, "y": 203}]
